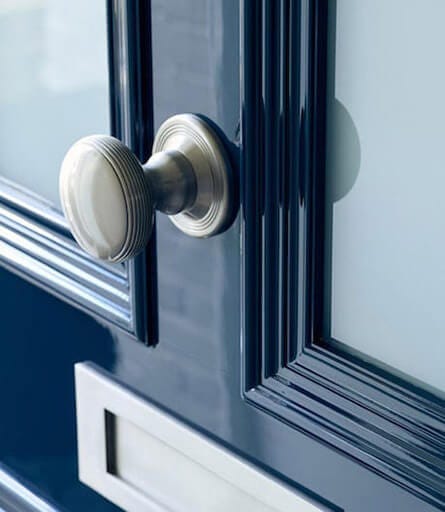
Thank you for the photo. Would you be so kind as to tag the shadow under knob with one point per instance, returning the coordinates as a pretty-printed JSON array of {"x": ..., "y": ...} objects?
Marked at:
[{"x": 109, "y": 197}]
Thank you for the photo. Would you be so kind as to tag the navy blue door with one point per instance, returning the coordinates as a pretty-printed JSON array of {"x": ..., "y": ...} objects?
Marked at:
[{"x": 247, "y": 336}]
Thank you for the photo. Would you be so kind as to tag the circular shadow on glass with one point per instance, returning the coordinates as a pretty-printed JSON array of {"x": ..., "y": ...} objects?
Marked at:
[{"x": 343, "y": 154}]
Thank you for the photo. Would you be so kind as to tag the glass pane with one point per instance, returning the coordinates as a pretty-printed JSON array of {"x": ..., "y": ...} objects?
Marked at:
[
  {"x": 54, "y": 86},
  {"x": 385, "y": 183}
]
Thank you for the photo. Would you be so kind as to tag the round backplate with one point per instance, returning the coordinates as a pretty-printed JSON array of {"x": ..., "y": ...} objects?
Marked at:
[{"x": 202, "y": 147}]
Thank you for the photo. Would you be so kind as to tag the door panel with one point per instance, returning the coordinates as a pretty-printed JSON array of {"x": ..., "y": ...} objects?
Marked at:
[{"x": 233, "y": 343}]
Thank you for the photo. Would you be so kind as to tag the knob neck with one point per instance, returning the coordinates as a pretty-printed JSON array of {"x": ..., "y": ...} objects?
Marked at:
[{"x": 172, "y": 181}]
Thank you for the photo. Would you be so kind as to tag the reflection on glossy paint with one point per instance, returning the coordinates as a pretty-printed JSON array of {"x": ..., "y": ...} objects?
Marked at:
[{"x": 197, "y": 279}]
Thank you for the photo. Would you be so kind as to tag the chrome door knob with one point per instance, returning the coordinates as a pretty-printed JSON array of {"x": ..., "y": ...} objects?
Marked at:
[{"x": 109, "y": 197}]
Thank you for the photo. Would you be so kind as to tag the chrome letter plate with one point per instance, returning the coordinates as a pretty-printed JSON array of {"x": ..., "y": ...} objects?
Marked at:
[{"x": 144, "y": 460}]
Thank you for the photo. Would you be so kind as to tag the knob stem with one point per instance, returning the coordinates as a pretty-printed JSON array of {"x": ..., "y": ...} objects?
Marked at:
[{"x": 172, "y": 181}]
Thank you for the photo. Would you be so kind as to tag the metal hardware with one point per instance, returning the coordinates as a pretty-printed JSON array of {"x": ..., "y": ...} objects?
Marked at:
[
  {"x": 109, "y": 197},
  {"x": 142, "y": 459}
]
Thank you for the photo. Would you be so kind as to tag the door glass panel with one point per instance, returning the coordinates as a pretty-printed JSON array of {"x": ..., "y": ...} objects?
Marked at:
[
  {"x": 385, "y": 182},
  {"x": 54, "y": 86}
]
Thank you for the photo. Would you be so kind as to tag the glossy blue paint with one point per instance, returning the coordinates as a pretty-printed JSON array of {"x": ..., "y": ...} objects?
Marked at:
[
  {"x": 18, "y": 495},
  {"x": 131, "y": 107},
  {"x": 41, "y": 338},
  {"x": 291, "y": 370},
  {"x": 200, "y": 312}
]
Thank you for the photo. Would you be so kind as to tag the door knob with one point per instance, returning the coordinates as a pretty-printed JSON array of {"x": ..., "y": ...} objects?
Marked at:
[{"x": 109, "y": 197}]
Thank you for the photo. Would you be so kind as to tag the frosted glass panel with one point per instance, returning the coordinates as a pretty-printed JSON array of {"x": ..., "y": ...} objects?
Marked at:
[
  {"x": 53, "y": 87},
  {"x": 386, "y": 183}
]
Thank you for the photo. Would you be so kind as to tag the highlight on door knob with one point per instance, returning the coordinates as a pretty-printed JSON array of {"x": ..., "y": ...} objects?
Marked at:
[{"x": 109, "y": 197}]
